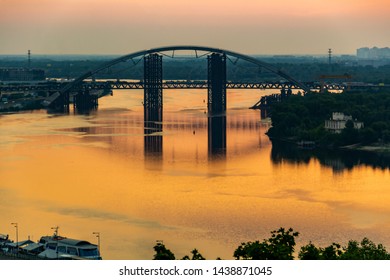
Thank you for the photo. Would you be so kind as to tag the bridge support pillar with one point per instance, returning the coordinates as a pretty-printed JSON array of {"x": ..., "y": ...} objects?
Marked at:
[
  {"x": 153, "y": 99},
  {"x": 216, "y": 81},
  {"x": 61, "y": 104},
  {"x": 84, "y": 101},
  {"x": 264, "y": 113}
]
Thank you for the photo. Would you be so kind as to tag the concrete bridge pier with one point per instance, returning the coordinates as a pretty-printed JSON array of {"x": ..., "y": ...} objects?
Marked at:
[
  {"x": 61, "y": 104},
  {"x": 84, "y": 101},
  {"x": 216, "y": 105},
  {"x": 264, "y": 113},
  {"x": 216, "y": 82}
]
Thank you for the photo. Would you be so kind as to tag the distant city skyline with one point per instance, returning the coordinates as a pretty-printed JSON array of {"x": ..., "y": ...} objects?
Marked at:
[{"x": 248, "y": 26}]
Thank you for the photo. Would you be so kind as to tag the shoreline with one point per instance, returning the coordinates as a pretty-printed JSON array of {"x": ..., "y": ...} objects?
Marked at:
[{"x": 379, "y": 149}]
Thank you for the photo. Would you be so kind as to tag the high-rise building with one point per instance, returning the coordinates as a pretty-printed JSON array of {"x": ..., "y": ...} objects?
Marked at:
[{"x": 373, "y": 53}]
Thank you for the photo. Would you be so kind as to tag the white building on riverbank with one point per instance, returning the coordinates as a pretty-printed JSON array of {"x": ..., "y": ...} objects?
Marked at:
[{"x": 338, "y": 121}]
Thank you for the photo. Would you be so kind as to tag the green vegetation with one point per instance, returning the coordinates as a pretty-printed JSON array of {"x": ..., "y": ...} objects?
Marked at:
[
  {"x": 162, "y": 253},
  {"x": 365, "y": 250},
  {"x": 281, "y": 246},
  {"x": 303, "y": 118}
]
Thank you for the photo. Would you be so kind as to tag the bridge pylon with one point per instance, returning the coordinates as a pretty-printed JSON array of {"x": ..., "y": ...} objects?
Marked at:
[
  {"x": 216, "y": 81},
  {"x": 153, "y": 98}
]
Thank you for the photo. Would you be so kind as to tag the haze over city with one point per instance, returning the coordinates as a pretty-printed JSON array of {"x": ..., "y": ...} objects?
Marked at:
[{"x": 248, "y": 26}]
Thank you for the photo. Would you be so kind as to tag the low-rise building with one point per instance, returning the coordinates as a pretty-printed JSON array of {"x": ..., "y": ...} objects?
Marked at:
[
  {"x": 21, "y": 74},
  {"x": 338, "y": 122}
]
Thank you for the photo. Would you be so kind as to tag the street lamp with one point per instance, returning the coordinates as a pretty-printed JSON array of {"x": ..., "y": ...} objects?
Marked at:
[
  {"x": 55, "y": 230},
  {"x": 97, "y": 234},
  {"x": 17, "y": 237},
  {"x": 56, "y": 237}
]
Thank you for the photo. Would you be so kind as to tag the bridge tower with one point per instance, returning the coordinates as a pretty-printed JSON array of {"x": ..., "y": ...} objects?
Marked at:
[
  {"x": 216, "y": 81},
  {"x": 216, "y": 96},
  {"x": 153, "y": 105},
  {"x": 153, "y": 99}
]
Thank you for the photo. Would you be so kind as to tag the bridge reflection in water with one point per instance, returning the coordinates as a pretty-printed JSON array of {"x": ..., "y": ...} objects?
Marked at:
[
  {"x": 153, "y": 140},
  {"x": 216, "y": 135}
]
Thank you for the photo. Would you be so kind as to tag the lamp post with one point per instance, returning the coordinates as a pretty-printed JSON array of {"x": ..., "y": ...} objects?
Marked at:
[
  {"x": 55, "y": 230},
  {"x": 55, "y": 235},
  {"x": 17, "y": 237},
  {"x": 97, "y": 234}
]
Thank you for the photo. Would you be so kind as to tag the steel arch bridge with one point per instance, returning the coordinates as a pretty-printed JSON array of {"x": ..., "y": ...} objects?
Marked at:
[{"x": 68, "y": 87}]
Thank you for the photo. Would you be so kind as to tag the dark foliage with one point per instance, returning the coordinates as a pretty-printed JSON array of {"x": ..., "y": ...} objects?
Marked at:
[
  {"x": 303, "y": 118},
  {"x": 279, "y": 247},
  {"x": 365, "y": 250},
  {"x": 162, "y": 253}
]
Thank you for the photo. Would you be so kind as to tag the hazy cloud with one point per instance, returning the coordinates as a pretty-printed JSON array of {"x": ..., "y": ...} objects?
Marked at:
[{"x": 88, "y": 213}]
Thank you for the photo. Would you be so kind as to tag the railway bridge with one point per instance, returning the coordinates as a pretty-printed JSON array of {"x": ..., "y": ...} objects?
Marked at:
[{"x": 153, "y": 83}]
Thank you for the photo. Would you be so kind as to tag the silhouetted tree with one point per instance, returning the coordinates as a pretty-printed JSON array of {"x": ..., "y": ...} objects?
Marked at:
[
  {"x": 365, "y": 250},
  {"x": 162, "y": 253},
  {"x": 195, "y": 256},
  {"x": 309, "y": 252},
  {"x": 279, "y": 247},
  {"x": 332, "y": 252}
]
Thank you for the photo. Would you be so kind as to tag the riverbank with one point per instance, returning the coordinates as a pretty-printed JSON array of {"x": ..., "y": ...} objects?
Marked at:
[
  {"x": 24, "y": 104},
  {"x": 361, "y": 119},
  {"x": 375, "y": 148},
  {"x": 381, "y": 149}
]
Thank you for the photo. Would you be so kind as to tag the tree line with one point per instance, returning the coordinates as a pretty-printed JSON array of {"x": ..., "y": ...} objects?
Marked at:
[
  {"x": 281, "y": 246},
  {"x": 302, "y": 117},
  {"x": 306, "y": 70}
]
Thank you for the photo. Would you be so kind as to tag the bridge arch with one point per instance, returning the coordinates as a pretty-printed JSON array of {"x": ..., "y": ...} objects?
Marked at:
[{"x": 127, "y": 57}]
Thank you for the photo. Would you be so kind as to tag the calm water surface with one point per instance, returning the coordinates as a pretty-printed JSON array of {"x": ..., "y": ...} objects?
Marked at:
[{"x": 99, "y": 172}]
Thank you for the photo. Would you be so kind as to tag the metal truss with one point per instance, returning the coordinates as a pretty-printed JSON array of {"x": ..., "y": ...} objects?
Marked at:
[
  {"x": 216, "y": 83},
  {"x": 153, "y": 98},
  {"x": 106, "y": 65},
  {"x": 175, "y": 85}
]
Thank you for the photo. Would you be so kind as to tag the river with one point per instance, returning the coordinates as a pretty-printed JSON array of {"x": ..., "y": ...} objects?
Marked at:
[{"x": 99, "y": 172}]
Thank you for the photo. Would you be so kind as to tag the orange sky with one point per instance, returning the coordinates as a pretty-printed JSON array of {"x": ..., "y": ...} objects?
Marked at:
[{"x": 248, "y": 26}]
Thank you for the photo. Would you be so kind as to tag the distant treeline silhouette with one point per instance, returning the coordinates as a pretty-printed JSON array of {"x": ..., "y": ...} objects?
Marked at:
[
  {"x": 190, "y": 68},
  {"x": 281, "y": 246}
]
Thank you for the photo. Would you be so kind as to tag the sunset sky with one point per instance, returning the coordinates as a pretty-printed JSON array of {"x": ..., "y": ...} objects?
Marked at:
[{"x": 247, "y": 26}]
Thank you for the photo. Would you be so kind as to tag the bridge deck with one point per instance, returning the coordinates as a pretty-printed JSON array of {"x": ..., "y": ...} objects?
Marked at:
[{"x": 56, "y": 86}]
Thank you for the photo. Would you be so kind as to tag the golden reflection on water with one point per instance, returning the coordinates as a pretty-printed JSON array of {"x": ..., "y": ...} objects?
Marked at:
[{"x": 89, "y": 173}]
